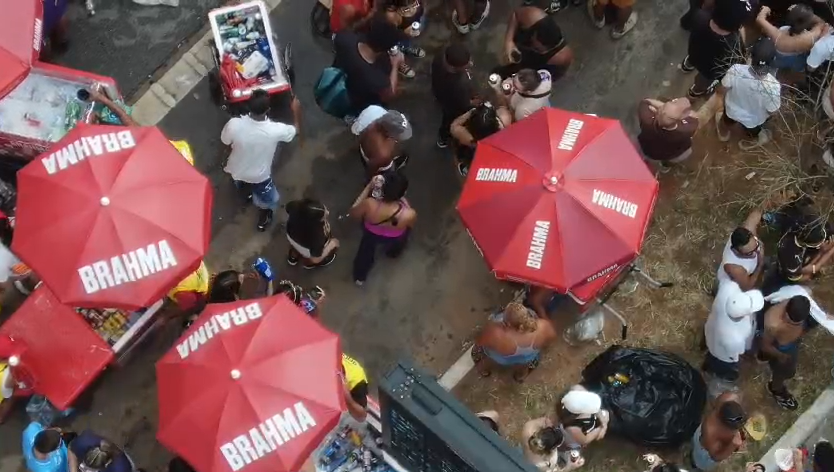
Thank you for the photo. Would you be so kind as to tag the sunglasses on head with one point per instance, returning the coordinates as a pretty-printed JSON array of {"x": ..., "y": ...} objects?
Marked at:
[{"x": 754, "y": 250}]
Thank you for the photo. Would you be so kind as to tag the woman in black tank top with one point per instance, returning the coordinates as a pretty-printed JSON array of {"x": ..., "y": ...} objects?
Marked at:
[{"x": 534, "y": 41}]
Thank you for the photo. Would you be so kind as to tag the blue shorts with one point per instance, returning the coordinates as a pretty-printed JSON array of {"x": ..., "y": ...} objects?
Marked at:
[
  {"x": 264, "y": 194},
  {"x": 791, "y": 61}
]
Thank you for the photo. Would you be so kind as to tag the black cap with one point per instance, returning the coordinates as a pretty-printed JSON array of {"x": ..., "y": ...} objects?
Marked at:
[{"x": 763, "y": 52}]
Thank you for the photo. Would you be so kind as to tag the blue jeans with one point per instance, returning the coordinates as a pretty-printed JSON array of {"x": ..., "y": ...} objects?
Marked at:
[{"x": 264, "y": 194}]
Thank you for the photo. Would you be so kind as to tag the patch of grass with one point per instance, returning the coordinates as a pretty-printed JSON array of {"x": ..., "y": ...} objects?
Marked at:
[{"x": 699, "y": 206}]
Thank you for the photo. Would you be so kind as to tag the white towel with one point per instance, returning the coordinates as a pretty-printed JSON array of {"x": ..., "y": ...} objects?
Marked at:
[{"x": 789, "y": 291}]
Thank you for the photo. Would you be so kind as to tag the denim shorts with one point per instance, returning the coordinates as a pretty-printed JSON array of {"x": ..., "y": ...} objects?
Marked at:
[{"x": 264, "y": 194}]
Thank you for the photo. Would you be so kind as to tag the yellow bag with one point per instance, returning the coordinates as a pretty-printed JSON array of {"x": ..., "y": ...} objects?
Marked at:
[{"x": 185, "y": 149}]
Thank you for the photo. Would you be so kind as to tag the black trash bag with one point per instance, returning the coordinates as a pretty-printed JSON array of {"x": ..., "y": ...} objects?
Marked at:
[{"x": 656, "y": 400}]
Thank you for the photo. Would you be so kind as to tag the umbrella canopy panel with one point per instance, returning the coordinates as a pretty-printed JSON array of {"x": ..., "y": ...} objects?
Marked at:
[
  {"x": 558, "y": 197},
  {"x": 252, "y": 384},
  {"x": 131, "y": 217},
  {"x": 21, "y": 30}
]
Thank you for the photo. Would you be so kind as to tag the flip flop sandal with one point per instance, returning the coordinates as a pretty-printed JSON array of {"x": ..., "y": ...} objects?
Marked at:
[
  {"x": 462, "y": 29},
  {"x": 629, "y": 25},
  {"x": 600, "y": 24},
  {"x": 477, "y": 23}
]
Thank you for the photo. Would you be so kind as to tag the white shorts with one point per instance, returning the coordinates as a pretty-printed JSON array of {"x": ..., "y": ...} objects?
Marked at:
[{"x": 305, "y": 253}]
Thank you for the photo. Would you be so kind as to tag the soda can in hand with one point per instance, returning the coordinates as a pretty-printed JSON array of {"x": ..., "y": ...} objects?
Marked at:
[{"x": 263, "y": 269}]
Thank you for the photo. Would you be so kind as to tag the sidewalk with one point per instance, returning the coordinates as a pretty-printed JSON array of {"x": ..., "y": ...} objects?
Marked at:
[{"x": 817, "y": 422}]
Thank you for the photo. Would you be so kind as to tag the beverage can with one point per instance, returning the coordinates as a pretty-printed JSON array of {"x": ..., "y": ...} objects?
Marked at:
[
  {"x": 494, "y": 80},
  {"x": 394, "y": 50},
  {"x": 507, "y": 88},
  {"x": 376, "y": 190},
  {"x": 415, "y": 29},
  {"x": 574, "y": 455}
]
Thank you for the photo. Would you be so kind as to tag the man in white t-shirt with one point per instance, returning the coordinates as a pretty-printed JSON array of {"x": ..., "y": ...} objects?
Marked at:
[
  {"x": 751, "y": 95},
  {"x": 254, "y": 140},
  {"x": 529, "y": 92},
  {"x": 730, "y": 329}
]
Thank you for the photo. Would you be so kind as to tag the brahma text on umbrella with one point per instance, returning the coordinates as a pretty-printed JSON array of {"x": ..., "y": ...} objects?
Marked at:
[
  {"x": 128, "y": 267},
  {"x": 602, "y": 273},
  {"x": 571, "y": 134},
  {"x": 496, "y": 175},
  {"x": 216, "y": 324},
  {"x": 617, "y": 204},
  {"x": 87, "y": 146},
  {"x": 267, "y": 436},
  {"x": 37, "y": 40},
  {"x": 538, "y": 244}
]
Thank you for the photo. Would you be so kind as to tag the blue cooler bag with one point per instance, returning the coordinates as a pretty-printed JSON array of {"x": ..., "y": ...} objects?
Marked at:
[{"x": 331, "y": 93}]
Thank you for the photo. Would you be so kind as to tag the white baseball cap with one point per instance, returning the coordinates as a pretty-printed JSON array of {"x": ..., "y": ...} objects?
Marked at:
[
  {"x": 744, "y": 303},
  {"x": 581, "y": 402}
]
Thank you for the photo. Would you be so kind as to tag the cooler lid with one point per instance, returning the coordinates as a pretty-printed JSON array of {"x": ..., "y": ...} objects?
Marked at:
[{"x": 63, "y": 354}]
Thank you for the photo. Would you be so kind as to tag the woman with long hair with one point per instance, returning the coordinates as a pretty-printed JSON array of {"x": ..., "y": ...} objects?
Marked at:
[
  {"x": 512, "y": 338},
  {"x": 386, "y": 221},
  {"x": 225, "y": 287},
  {"x": 473, "y": 126},
  {"x": 795, "y": 39},
  {"x": 309, "y": 235}
]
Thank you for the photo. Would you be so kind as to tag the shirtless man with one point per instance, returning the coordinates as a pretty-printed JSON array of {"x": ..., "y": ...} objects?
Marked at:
[
  {"x": 719, "y": 435},
  {"x": 379, "y": 132},
  {"x": 784, "y": 324},
  {"x": 743, "y": 257}
]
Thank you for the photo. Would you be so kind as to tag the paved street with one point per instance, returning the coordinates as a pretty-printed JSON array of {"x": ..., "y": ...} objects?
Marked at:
[
  {"x": 130, "y": 42},
  {"x": 424, "y": 305}
]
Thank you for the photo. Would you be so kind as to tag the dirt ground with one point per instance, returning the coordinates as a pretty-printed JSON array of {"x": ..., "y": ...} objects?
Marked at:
[{"x": 699, "y": 205}]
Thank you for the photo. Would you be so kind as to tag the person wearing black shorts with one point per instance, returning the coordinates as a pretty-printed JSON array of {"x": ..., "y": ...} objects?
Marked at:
[{"x": 715, "y": 43}]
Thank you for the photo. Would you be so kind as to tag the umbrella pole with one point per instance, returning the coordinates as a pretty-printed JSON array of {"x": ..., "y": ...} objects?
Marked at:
[
  {"x": 617, "y": 315},
  {"x": 654, "y": 283}
]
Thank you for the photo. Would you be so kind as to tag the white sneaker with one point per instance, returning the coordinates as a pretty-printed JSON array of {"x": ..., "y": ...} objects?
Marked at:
[{"x": 462, "y": 29}]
